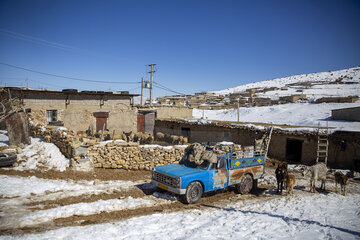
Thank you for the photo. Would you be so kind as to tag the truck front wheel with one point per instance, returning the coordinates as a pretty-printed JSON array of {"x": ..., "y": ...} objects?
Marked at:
[
  {"x": 193, "y": 193},
  {"x": 246, "y": 185}
]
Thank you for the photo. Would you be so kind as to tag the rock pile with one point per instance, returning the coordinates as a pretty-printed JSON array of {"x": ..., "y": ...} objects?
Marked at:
[
  {"x": 110, "y": 154},
  {"x": 133, "y": 157}
]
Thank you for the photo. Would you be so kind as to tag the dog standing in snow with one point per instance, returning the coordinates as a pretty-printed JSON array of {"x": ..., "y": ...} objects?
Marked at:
[
  {"x": 341, "y": 179},
  {"x": 290, "y": 183},
  {"x": 281, "y": 173}
]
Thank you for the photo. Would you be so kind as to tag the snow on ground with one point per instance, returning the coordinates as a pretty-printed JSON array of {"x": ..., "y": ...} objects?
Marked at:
[
  {"x": 42, "y": 155},
  {"x": 79, "y": 209},
  {"x": 302, "y": 216},
  {"x": 38, "y": 155},
  {"x": 4, "y": 139},
  {"x": 16, "y": 191},
  {"x": 48, "y": 189},
  {"x": 317, "y": 91},
  {"x": 297, "y": 114},
  {"x": 164, "y": 147}
]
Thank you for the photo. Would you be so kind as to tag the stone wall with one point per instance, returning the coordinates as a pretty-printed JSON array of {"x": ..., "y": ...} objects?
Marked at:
[
  {"x": 76, "y": 110},
  {"x": 62, "y": 139},
  {"x": 133, "y": 158}
]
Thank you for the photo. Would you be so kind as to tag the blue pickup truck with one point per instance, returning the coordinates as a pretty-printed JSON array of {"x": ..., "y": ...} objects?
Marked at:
[{"x": 227, "y": 167}]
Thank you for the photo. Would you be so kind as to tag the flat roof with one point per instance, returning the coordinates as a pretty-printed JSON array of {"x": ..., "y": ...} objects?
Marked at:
[
  {"x": 345, "y": 108},
  {"x": 70, "y": 92}
]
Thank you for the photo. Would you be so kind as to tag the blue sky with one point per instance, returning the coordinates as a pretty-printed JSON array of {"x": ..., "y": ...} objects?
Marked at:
[{"x": 197, "y": 45}]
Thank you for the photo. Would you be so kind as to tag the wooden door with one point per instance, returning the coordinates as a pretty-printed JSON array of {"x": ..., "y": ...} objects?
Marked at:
[{"x": 100, "y": 123}]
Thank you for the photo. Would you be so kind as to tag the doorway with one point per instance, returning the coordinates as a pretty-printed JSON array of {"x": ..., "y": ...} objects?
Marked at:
[
  {"x": 293, "y": 150},
  {"x": 185, "y": 132},
  {"x": 101, "y": 120}
]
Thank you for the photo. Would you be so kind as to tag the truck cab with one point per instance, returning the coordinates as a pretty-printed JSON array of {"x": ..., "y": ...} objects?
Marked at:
[{"x": 220, "y": 168}]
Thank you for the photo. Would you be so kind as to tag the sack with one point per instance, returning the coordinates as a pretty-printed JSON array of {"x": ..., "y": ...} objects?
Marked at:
[{"x": 209, "y": 156}]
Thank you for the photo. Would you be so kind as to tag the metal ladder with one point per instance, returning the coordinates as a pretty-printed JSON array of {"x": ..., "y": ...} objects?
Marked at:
[{"x": 322, "y": 144}]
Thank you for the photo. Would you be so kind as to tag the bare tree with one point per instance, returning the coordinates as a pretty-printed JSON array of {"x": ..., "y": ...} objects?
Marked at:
[{"x": 12, "y": 112}]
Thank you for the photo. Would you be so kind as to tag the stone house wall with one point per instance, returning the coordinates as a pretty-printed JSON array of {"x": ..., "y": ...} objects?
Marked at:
[{"x": 76, "y": 110}]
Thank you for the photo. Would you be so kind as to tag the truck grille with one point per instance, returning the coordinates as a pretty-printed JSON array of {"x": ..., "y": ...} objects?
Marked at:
[{"x": 161, "y": 178}]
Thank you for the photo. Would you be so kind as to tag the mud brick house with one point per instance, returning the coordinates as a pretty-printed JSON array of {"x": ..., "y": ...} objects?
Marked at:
[
  {"x": 292, "y": 146},
  {"x": 348, "y": 114},
  {"x": 79, "y": 110}
]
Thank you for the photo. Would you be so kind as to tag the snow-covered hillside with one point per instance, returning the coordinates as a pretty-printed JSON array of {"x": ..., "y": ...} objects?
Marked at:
[
  {"x": 295, "y": 114},
  {"x": 314, "y": 85},
  {"x": 304, "y": 113}
]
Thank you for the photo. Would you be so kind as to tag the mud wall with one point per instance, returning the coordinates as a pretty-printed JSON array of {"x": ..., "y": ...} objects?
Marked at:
[
  {"x": 207, "y": 132},
  {"x": 173, "y": 112},
  {"x": 344, "y": 150}
]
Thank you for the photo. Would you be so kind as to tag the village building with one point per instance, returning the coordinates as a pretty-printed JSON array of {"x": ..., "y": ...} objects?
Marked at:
[
  {"x": 347, "y": 114},
  {"x": 79, "y": 111},
  {"x": 349, "y": 99},
  {"x": 292, "y": 146}
]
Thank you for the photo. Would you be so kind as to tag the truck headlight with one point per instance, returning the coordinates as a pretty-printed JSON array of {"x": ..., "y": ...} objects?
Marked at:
[
  {"x": 153, "y": 173},
  {"x": 176, "y": 182}
]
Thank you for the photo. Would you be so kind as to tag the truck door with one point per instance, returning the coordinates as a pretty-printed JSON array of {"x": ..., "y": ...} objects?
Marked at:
[{"x": 218, "y": 174}]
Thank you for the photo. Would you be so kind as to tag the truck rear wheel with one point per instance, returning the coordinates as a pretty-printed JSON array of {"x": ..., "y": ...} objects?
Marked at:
[
  {"x": 193, "y": 193},
  {"x": 246, "y": 184}
]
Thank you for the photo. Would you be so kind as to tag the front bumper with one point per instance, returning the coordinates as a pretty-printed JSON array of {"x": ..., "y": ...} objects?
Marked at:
[{"x": 179, "y": 191}]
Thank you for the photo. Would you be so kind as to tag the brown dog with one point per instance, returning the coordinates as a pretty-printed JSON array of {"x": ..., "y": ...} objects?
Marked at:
[
  {"x": 341, "y": 179},
  {"x": 290, "y": 183},
  {"x": 281, "y": 173}
]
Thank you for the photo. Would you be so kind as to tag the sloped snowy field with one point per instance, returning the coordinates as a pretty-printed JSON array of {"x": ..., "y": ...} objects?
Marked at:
[
  {"x": 320, "y": 89},
  {"x": 296, "y": 114}
]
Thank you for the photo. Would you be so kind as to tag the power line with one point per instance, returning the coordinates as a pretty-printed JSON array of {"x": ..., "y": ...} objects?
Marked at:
[
  {"x": 37, "y": 40},
  {"x": 167, "y": 89},
  {"x": 60, "y": 76}
]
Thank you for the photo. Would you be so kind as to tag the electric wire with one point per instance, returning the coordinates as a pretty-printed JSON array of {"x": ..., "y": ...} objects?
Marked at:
[
  {"x": 158, "y": 85},
  {"x": 168, "y": 90},
  {"x": 36, "y": 40},
  {"x": 60, "y": 76}
]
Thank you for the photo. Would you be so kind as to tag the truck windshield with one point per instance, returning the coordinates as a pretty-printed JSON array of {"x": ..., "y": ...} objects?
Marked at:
[{"x": 185, "y": 161}]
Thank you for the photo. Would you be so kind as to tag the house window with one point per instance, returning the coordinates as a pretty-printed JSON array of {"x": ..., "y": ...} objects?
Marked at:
[{"x": 51, "y": 116}]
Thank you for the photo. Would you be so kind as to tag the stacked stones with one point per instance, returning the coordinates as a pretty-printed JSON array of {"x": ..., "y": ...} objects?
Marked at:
[
  {"x": 133, "y": 158},
  {"x": 61, "y": 138},
  {"x": 114, "y": 154}
]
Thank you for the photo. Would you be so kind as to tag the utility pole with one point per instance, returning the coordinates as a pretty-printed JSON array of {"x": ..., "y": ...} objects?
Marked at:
[
  {"x": 151, "y": 81},
  {"x": 142, "y": 91},
  {"x": 27, "y": 83},
  {"x": 238, "y": 110}
]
